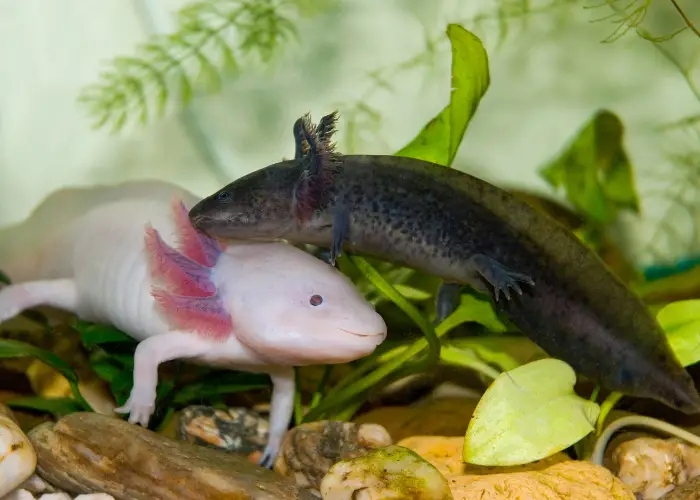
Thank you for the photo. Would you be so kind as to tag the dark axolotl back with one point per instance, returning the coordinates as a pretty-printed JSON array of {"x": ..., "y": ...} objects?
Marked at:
[{"x": 466, "y": 231}]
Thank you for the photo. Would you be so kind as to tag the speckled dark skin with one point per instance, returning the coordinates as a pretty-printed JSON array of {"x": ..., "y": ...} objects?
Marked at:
[{"x": 436, "y": 219}]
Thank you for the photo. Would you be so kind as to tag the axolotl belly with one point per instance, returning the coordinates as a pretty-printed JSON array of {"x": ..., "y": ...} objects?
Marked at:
[
  {"x": 468, "y": 232},
  {"x": 127, "y": 255}
]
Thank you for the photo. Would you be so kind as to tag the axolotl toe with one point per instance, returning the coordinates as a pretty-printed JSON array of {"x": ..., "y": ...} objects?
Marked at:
[{"x": 133, "y": 260}]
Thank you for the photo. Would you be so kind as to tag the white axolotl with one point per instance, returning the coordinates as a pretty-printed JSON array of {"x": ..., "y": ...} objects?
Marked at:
[{"x": 126, "y": 255}]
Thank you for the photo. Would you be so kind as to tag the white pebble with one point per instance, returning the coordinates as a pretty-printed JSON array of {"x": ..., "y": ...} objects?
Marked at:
[
  {"x": 17, "y": 456},
  {"x": 55, "y": 496},
  {"x": 19, "y": 495},
  {"x": 95, "y": 496}
]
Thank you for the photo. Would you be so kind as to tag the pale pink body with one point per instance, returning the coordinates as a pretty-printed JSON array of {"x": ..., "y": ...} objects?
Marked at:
[{"x": 90, "y": 258}]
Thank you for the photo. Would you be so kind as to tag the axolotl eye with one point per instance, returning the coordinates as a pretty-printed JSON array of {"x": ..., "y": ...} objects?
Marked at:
[
  {"x": 224, "y": 196},
  {"x": 316, "y": 300}
]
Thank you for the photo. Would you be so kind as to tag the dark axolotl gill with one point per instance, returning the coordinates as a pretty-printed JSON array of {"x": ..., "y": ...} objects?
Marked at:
[{"x": 444, "y": 222}]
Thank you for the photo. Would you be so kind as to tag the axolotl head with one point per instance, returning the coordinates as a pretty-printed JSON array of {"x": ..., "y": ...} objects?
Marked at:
[
  {"x": 293, "y": 308},
  {"x": 257, "y": 206},
  {"x": 286, "y": 305}
]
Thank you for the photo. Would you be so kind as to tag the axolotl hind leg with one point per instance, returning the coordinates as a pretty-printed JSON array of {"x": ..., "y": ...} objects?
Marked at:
[
  {"x": 281, "y": 410},
  {"x": 60, "y": 293},
  {"x": 447, "y": 301},
  {"x": 497, "y": 275}
]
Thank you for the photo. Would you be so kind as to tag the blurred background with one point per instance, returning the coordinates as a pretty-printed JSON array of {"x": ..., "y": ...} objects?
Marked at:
[{"x": 386, "y": 66}]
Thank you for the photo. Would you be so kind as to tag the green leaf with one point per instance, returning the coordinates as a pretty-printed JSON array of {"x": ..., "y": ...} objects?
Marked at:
[
  {"x": 506, "y": 352},
  {"x": 595, "y": 171},
  {"x": 467, "y": 358},
  {"x": 120, "y": 385},
  {"x": 4, "y": 278},
  {"x": 96, "y": 334},
  {"x": 528, "y": 414},
  {"x": 478, "y": 311},
  {"x": 412, "y": 293},
  {"x": 439, "y": 140},
  {"x": 17, "y": 349},
  {"x": 58, "y": 407},
  {"x": 218, "y": 384},
  {"x": 681, "y": 322}
]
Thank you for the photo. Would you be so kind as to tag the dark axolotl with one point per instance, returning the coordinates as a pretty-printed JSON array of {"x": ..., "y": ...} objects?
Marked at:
[{"x": 444, "y": 222}]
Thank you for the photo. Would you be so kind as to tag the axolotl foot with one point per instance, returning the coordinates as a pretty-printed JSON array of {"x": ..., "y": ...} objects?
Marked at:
[
  {"x": 140, "y": 406},
  {"x": 268, "y": 458},
  {"x": 499, "y": 276}
]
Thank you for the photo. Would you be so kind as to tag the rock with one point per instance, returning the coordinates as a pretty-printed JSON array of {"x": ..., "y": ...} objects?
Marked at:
[
  {"x": 391, "y": 472},
  {"x": 309, "y": 450},
  {"x": 442, "y": 416},
  {"x": 687, "y": 491},
  {"x": 86, "y": 452},
  {"x": 652, "y": 467},
  {"x": 23, "y": 494},
  {"x": 554, "y": 478},
  {"x": 17, "y": 457},
  {"x": 571, "y": 480},
  {"x": 445, "y": 453},
  {"x": 19, "y": 495},
  {"x": 37, "y": 485},
  {"x": 235, "y": 430}
]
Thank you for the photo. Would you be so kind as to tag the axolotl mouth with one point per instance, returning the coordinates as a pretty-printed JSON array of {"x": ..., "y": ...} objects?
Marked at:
[{"x": 380, "y": 335}]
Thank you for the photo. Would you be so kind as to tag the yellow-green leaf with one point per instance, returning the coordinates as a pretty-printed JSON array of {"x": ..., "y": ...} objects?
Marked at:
[
  {"x": 528, "y": 414},
  {"x": 439, "y": 140},
  {"x": 594, "y": 170},
  {"x": 681, "y": 322},
  {"x": 479, "y": 311},
  {"x": 506, "y": 352},
  {"x": 412, "y": 293}
]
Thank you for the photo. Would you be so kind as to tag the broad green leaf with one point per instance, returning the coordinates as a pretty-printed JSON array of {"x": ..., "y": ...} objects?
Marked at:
[
  {"x": 4, "y": 278},
  {"x": 594, "y": 170},
  {"x": 58, "y": 407},
  {"x": 528, "y": 414},
  {"x": 17, "y": 349},
  {"x": 681, "y": 322},
  {"x": 439, "y": 140},
  {"x": 96, "y": 334},
  {"x": 679, "y": 314}
]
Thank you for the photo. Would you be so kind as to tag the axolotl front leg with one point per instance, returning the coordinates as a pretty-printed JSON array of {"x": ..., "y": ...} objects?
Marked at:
[{"x": 153, "y": 351}]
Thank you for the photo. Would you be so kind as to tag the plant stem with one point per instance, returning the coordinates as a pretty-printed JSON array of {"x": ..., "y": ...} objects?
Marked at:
[
  {"x": 318, "y": 393},
  {"x": 79, "y": 397},
  {"x": 605, "y": 408},
  {"x": 298, "y": 408},
  {"x": 406, "y": 306},
  {"x": 394, "y": 363}
]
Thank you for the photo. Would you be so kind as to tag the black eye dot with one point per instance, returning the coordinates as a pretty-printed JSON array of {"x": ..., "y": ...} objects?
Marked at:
[
  {"x": 316, "y": 300},
  {"x": 224, "y": 196}
]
